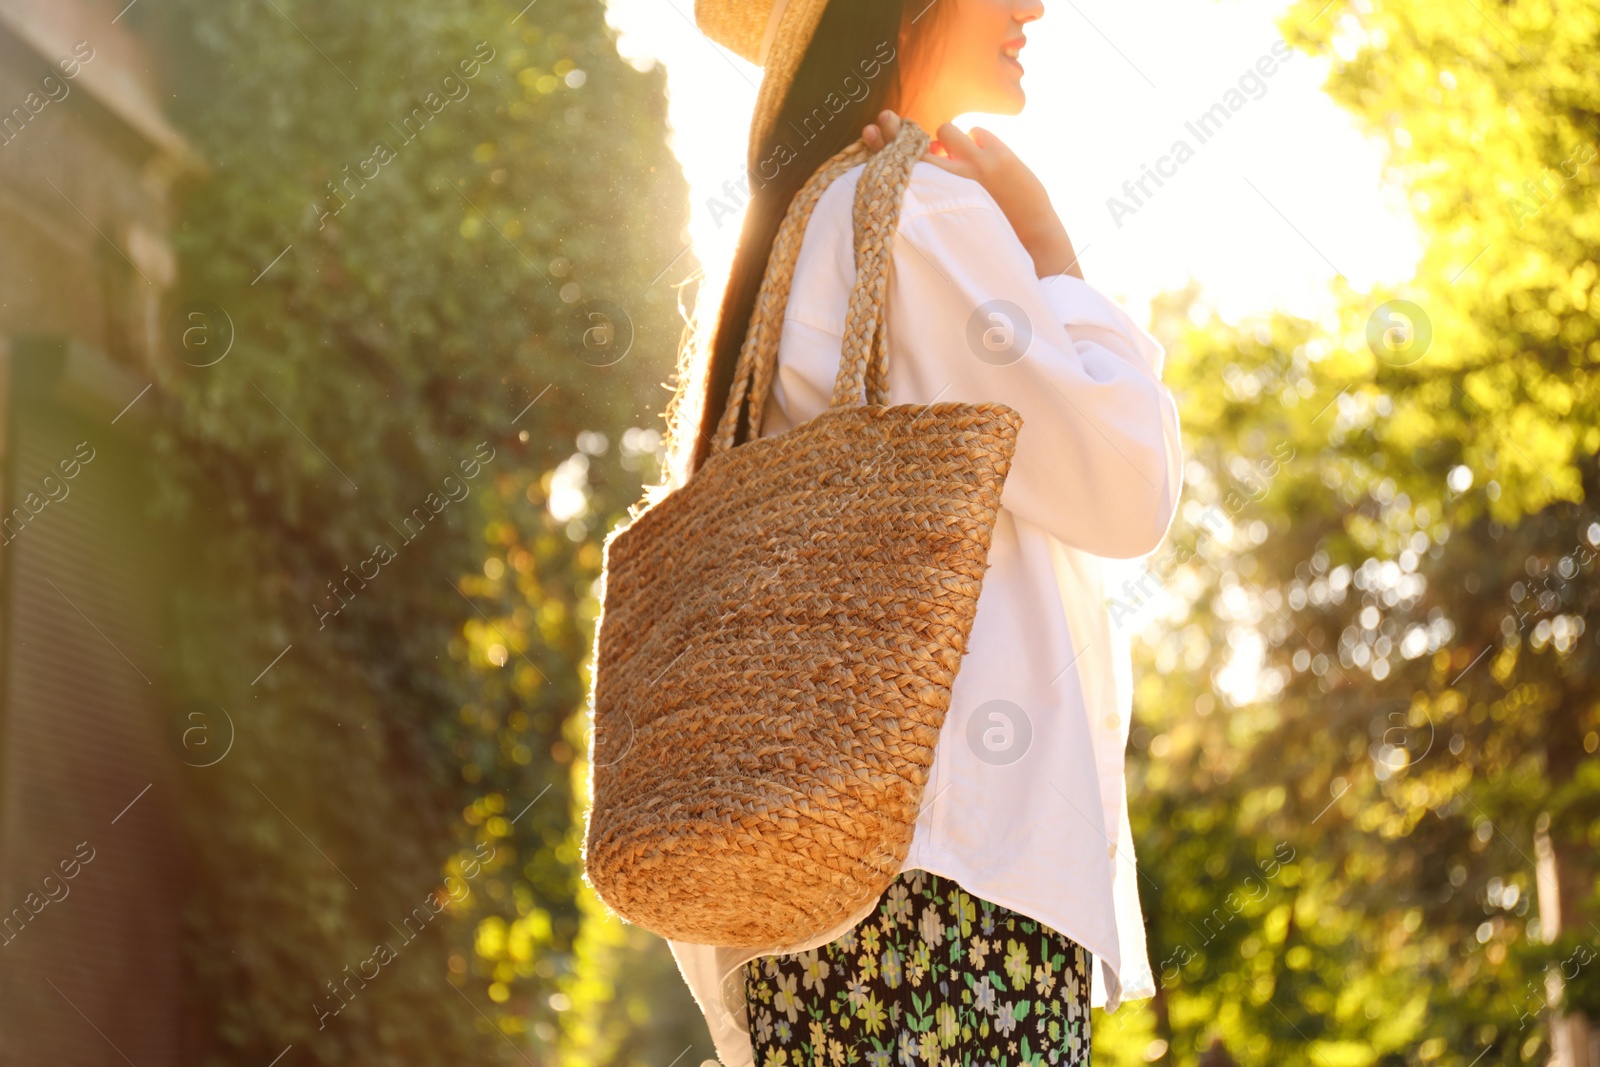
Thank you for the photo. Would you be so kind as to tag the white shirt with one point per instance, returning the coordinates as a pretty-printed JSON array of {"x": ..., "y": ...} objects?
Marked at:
[{"x": 1037, "y": 824}]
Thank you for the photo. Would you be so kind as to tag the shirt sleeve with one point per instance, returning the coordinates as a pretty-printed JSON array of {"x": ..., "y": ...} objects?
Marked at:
[{"x": 1098, "y": 462}]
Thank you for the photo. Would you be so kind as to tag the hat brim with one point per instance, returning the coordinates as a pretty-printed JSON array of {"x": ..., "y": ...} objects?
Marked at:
[
  {"x": 797, "y": 25},
  {"x": 745, "y": 27},
  {"x": 737, "y": 25}
]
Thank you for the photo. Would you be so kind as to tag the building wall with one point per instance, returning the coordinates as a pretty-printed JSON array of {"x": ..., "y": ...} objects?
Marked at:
[{"x": 91, "y": 861}]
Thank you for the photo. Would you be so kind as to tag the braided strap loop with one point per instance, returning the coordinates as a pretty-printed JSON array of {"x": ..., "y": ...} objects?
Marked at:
[
  {"x": 760, "y": 350},
  {"x": 887, "y": 175},
  {"x": 877, "y": 217}
]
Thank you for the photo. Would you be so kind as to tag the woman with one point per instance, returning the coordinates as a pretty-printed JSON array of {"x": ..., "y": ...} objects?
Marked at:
[{"x": 1020, "y": 882}]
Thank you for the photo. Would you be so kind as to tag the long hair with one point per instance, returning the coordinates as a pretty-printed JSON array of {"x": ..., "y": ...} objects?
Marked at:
[{"x": 857, "y": 61}]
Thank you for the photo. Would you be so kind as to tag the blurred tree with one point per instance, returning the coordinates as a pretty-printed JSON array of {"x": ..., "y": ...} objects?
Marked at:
[
  {"x": 451, "y": 315},
  {"x": 1379, "y": 647}
]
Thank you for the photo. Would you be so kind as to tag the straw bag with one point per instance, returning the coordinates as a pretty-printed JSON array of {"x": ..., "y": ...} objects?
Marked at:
[{"x": 779, "y": 636}]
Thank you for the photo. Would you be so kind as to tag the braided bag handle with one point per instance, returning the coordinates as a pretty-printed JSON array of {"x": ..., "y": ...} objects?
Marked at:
[{"x": 864, "y": 359}]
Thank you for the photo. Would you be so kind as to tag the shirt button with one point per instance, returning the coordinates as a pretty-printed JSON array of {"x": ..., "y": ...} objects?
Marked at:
[
  {"x": 1112, "y": 852},
  {"x": 1113, "y": 721}
]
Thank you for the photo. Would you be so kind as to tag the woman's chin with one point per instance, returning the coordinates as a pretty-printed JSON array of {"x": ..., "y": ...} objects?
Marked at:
[
  {"x": 1004, "y": 94},
  {"x": 1009, "y": 101},
  {"x": 996, "y": 98}
]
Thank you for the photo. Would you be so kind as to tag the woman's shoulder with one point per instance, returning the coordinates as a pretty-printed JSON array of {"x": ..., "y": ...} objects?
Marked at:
[
  {"x": 949, "y": 219},
  {"x": 932, "y": 190}
]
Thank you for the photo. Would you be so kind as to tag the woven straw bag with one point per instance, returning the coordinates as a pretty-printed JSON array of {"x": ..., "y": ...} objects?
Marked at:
[{"x": 779, "y": 636}]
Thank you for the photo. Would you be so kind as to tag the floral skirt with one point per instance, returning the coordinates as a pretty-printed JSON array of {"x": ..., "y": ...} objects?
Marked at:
[{"x": 934, "y": 977}]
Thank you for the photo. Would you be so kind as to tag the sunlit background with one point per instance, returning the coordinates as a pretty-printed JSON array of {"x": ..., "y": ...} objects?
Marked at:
[
  {"x": 1285, "y": 198},
  {"x": 335, "y": 338}
]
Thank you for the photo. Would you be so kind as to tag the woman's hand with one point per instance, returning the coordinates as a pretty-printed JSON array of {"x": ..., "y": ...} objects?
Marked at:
[{"x": 985, "y": 159}]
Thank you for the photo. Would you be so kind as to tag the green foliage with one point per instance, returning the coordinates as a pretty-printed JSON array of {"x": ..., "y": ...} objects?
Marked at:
[
  {"x": 1383, "y": 653},
  {"x": 373, "y": 419},
  {"x": 1369, "y": 713}
]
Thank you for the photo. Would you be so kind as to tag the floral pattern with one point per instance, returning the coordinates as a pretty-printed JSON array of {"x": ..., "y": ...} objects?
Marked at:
[{"x": 935, "y": 977}]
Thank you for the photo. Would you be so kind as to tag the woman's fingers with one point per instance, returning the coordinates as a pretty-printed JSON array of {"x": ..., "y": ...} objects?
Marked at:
[
  {"x": 939, "y": 153},
  {"x": 877, "y": 134},
  {"x": 957, "y": 144},
  {"x": 988, "y": 142},
  {"x": 938, "y": 158},
  {"x": 986, "y": 139},
  {"x": 953, "y": 151}
]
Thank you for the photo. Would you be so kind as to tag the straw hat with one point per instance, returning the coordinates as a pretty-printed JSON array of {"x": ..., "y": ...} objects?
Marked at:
[{"x": 774, "y": 35}]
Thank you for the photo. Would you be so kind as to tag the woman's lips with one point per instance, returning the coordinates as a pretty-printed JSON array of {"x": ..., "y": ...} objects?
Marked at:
[{"x": 1009, "y": 52}]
